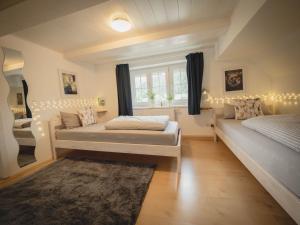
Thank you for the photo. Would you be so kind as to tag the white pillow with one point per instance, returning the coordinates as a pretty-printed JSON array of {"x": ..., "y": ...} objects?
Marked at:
[
  {"x": 267, "y": 109},
  {"x": 229, "y": 112},
  {"x": 22, "y": 123},
  {"x": 87, "y": 116},
  {"x": 70, "y": 120},
  {"x": 138, "y": 123}
]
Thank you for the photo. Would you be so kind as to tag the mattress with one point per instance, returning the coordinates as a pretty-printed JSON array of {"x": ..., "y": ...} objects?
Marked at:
[
  {"x": 281, "y": 128},
  {"x": 23, "y": 132},
  {"x": 280, "y": 161},
  {"x": 98, "y": 133}
]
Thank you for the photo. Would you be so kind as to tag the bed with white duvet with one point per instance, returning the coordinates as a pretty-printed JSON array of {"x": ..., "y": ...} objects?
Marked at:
[{"x": 145, "y": 135}]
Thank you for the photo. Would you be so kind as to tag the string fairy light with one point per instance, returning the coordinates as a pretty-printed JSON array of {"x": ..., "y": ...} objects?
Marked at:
[
  {"x": 38, "y": 107},
  {"x": 282, "y": 98}
]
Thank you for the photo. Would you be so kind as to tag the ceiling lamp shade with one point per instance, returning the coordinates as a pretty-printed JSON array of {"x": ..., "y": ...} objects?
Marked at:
[{"x": 121, "y": 25}]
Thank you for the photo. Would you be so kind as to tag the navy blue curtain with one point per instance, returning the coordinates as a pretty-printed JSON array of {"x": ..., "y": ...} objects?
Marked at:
[
  {"x": 124, "y": 90},
  {"x": 194, "y": 69},
  {"x": 25, "y": 89}
]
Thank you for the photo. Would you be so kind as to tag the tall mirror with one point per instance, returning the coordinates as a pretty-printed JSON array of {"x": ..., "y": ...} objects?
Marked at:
[{"x": 17, "y": 101}]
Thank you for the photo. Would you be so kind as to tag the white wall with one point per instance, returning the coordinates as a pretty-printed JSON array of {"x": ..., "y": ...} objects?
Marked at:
[
  {"x": 256, "y": 83},
  {"x": 267, "y": 34},
  {"x": 41, "y": 73},
  {"x": 286, "y": 84},
  {"x": 3, "y": 112},
  {"x": 2, "y": 147},
  {"x": 283, "y": 84},
  {"x": 241, "y": 15},
  {"x": 8, "y": 143}
]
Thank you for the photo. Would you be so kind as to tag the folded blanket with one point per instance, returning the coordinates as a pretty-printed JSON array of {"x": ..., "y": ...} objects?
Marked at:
[
  {"x": 284, "y": 129},
  {"x": 22, "y": 123},
  {"x": 138, "y": 123}
]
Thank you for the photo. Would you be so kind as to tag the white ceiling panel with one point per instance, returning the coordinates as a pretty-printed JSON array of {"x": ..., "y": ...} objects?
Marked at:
[
  {"x": 159, "y": 11},
  {"x": 172, "y": 10},
  {"x": 145, "y": 9},
  {"x": 185, "y": 9},
  {"x": 91, "y": 26},
  {"x": 156, "y": 47},
  {"x": 135, "y": 16}
]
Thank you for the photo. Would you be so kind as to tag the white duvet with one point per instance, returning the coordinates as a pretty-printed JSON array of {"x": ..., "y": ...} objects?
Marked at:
[
  {"x": 284, "y": 129},
  {"x": 138, "y": 123},
  {"x": 22, "y": 123}
]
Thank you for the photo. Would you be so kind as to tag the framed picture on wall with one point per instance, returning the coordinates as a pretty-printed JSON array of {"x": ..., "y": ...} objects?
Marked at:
[
  {"x": 68, "y": 83},
  {"x": 19, "y": 99},
  {"x": 234, "y": 80}
]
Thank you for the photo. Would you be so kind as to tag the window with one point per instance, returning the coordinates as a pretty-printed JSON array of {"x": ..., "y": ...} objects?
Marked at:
[
  {"x": 140, "y": 89},
  {"x": 180, "y": 87},
  {"x": 159, "y": 86}
]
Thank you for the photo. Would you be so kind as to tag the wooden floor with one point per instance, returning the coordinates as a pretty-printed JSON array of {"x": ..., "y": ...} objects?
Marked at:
[{"x": 214, "y": 188}]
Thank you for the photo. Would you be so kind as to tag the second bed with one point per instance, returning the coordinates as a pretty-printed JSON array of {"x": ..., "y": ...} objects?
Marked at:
[{"x": 95, "y": 137}]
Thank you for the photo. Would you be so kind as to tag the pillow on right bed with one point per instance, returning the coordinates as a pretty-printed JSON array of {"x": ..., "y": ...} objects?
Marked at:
[{"x": 247, "y": 108}]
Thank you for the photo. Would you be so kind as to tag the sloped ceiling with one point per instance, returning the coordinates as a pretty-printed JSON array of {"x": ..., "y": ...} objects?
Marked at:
[
  {"x": 271, "y": 39},
  {"x": 16, "y": 15},
  {"x": 8, "y": 3}
]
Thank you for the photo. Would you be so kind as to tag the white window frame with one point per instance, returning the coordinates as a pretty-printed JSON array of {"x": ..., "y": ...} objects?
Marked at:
[
  {"x": 159, "y": 69},
  {"x": 182, "y": 102},
  {"x": 133, "y": 92},
  {"x": 169, "y": 84}
]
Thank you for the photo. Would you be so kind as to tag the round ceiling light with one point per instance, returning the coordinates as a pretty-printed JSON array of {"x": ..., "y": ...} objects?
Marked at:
[{"x": 121, "y": 25}]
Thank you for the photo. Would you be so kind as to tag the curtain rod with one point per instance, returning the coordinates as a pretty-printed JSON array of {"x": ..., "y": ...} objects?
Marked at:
[
  {"x": 198, "y": 48},
  {"x": 157, "y": 65}
]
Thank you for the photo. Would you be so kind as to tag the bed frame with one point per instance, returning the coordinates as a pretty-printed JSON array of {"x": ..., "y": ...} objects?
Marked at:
[
  {"x": 288, "y": 200},
  {"x": 141, "y": 149}
]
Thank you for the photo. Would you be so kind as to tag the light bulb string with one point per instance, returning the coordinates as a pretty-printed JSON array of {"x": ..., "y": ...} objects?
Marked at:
[{"x": 284, "y": 98}]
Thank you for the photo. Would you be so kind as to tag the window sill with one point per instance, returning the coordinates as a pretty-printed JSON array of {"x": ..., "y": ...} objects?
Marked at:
[{"x": 160, "y": 107}]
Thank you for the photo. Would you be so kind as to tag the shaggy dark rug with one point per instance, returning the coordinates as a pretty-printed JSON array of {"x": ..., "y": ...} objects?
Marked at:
[{"x": 77, "y": 191}]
